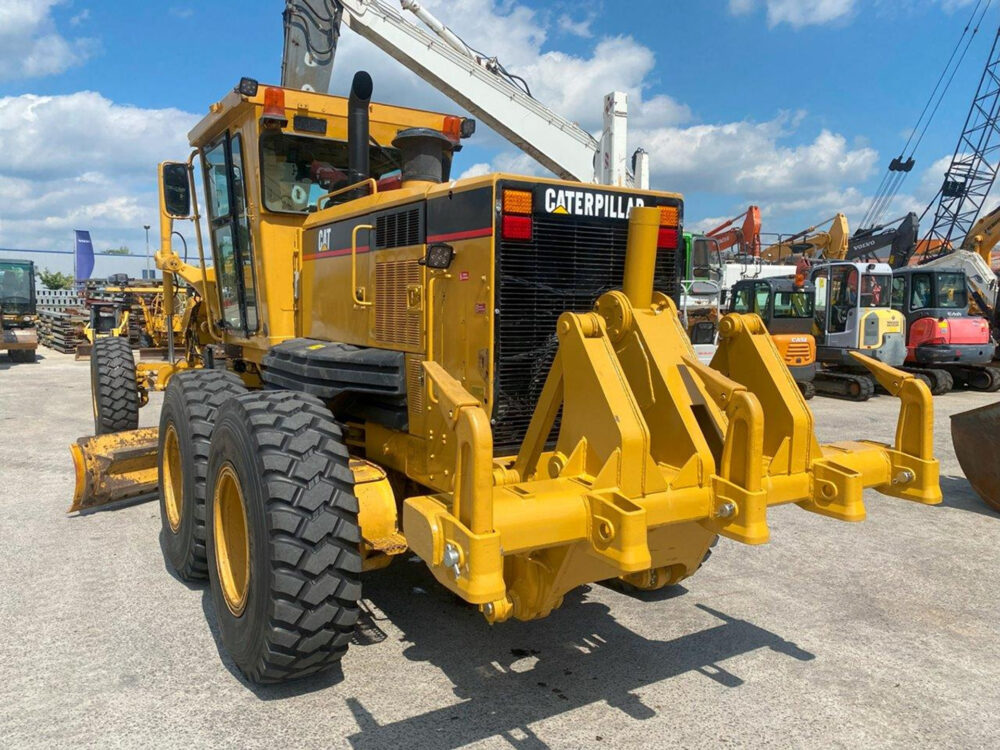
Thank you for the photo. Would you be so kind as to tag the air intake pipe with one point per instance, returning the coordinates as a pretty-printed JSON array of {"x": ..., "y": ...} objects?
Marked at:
[{"x": 358, "y": 131}]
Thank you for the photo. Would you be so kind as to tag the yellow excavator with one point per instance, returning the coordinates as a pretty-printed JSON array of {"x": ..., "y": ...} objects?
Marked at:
[
  {"x": 830, "y": 244},
  {"x": 488, "y": 373}
]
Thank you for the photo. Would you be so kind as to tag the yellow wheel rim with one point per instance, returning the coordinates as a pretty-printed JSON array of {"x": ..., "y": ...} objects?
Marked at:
[
  {"x": 232, "y": 540},
  {"x": 173, "y": 489}
]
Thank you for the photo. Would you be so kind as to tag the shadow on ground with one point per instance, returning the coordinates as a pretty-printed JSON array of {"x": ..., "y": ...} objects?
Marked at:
[
  {"x": 511, "y": 676},
  {"x": 958, "y": 494}
]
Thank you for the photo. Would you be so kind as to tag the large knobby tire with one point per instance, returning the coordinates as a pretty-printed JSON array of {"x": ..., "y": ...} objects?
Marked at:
[
  {"x": 115, "y": 394},
  {"x": 283, "y": 536},
  {"x": 187, "y": 418}
]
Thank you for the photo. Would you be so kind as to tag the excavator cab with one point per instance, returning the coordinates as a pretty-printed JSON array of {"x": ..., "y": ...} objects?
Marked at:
[
  {"x": 943, "y": 341},
  {"x": 853, "y": 315},
  {"x": 787, "y": 309}
]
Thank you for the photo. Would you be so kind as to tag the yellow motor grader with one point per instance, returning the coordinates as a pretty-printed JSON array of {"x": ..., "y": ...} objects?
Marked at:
[{"x": 489, "y": 373}]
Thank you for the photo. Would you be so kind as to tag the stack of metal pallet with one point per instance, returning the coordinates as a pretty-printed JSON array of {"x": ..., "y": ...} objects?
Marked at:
[{"x": 61, "y": 317}]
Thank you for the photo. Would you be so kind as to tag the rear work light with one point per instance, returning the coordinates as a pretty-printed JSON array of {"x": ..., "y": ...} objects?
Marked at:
[
  {"x": 517, "y": 201},
  {"x": 274, "y": 108},
  {"x": 516, "y": 228}
]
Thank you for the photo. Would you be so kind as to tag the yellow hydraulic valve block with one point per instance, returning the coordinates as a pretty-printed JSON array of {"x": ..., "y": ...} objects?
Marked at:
[{"x": 656, "y": 454}]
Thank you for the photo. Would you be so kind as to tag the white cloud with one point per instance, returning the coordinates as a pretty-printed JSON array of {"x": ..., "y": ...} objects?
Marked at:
[
  {"x": 581, "y": 29},
  {"x": 80, "y": 161},
  {"x": 797, "y": 13},
  {"x": 752, "y": 158},
  {"x": 30, "y": 44}
]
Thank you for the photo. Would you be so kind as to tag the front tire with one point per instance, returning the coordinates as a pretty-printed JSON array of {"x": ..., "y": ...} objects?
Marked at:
[
  {"x": 114, "y": 392},
  {"x": 283, "y": 538},
  {"x": 190, "y": 404}
]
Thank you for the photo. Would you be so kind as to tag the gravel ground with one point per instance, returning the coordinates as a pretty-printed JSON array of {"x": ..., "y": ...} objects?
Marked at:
[{"x": 881, "y": 634}]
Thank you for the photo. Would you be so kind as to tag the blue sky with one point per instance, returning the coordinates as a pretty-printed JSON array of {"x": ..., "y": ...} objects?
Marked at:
[{"x": 796, "y": 105}]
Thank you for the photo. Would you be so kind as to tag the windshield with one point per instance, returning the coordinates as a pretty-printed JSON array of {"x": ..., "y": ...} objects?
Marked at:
[
  {"x": 793, "y": 304},
  {"x": 297, "y": 171},
  {"x": 951, "y": 291},
  {"x": 704, "y": 257},
  {"x": 16, "y": 286}
]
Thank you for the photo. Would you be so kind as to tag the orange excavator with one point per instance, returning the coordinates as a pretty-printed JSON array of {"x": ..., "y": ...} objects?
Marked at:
[{"x": 745, "y": 237}]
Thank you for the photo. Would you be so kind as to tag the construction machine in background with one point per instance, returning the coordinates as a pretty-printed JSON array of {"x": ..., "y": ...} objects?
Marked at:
[
  {"x": 107, "y": 318},
  {"x": 18, "y": 311},
  {"x": 943, "y": 341},
  {"x": 743, "y": 241},
  {"x": 886, "y": 243},
  {"x": 475, "y": 81},
  {"x": 831, "y": 243},
  {"x": 853, "y": 315},
  {"x": 785, "y": 305},
  {"x": 488, "y": 373}
]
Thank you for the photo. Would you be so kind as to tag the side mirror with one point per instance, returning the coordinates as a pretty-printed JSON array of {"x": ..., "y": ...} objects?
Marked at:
[{"x": 176, "y": 190}]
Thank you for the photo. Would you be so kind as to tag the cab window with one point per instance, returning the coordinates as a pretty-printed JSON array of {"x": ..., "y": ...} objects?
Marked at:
[
  {"x": 222, "y": 163},
  {"x": 297, "y": 171},
  {"x": 920, "y": 291},
  {"x": 762, "y": 295},
  {"x": 742, "y": 299},
  {"x": 898, "y": 292},
  {"x": 952, "y": 292}
]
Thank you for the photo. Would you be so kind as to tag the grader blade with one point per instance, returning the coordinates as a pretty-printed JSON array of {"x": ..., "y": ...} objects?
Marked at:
[
  {"x": 975, "y": 436},
  {"x": 114, "y": 467}
]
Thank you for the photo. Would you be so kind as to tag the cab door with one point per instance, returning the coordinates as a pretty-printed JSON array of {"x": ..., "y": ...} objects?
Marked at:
[{"x": 225, "y": 186}]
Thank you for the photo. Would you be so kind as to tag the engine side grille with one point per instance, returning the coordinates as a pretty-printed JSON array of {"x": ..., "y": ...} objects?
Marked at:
[
  {"x": 395, "y": 322},
  {"x": 567, "y": 265},
  {"x": 399, "y": 229}
]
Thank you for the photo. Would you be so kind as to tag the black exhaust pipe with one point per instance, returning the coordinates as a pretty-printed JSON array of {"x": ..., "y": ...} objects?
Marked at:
[{"x": 358, "y": 132}]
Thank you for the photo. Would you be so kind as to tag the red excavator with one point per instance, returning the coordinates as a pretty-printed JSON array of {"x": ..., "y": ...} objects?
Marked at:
[{"x": 745, "y": 237}]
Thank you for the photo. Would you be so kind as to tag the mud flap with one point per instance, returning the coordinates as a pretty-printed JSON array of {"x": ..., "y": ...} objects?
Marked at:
[{"x": 977, "y": 447}]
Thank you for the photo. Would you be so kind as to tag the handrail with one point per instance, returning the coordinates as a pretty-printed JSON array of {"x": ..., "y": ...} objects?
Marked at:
[
  {"x": 370, "y": 182},
  {"x": 354, "y": 264}
]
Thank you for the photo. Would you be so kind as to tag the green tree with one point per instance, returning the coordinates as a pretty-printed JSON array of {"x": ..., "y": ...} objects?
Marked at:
[
  {"x": 120, "y": 250},
  {"x": 54, "y": 279}
]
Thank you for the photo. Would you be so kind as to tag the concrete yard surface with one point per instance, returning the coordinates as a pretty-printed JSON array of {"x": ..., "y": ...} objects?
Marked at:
[{"x": 879, "y": 634}]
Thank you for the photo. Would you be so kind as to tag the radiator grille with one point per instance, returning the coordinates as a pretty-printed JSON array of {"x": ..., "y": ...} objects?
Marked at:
[
  {"x": 415, "y": 386},
  {"x": 395, "y": 321},
  {"x": 400, "y": 229},
  {"x": 566, "y": 267},
  {"x": 797, "y": 350}
]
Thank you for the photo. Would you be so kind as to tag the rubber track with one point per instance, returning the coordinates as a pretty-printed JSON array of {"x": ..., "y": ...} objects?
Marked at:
[
  {"x": 202, "y": 392},
  {"x": 314, "y": 534},
  {"x": 829, "y": 383},
  {"x": 940, "y": 380},
  {"x": 114, "y": 378}
]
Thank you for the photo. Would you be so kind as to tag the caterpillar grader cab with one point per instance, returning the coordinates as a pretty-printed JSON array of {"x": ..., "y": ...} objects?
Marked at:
[
  {"x": 488, "y": 373},
  {"x": 785, "y": 305},
  {"x": 18, "y": 312},
  {"x": 944, "y": 342},
  {"x": 853, "y": 316}
]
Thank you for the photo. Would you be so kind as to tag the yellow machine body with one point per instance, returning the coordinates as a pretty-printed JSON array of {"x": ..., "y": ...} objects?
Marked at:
[{"x": 634, "y": 455}]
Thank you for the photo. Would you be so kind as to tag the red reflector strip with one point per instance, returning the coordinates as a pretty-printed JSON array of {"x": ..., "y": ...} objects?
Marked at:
[
  {"x": 516, "y": 228},
  {"x": 667, "y": 238}
]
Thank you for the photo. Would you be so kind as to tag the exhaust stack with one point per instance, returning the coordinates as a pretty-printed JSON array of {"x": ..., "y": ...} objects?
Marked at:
[{"x": 358, "y": 131}]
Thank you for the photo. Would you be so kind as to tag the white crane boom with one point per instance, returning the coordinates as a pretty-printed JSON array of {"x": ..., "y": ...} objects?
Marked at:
[{"x": 445, "y": 62}]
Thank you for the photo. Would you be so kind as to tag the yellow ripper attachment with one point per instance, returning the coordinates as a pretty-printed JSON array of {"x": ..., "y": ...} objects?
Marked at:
[
  {"x": 973, "y": 434},
  {"x": 655, "y": 455},
  {"x": 118, "y": 466}
]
